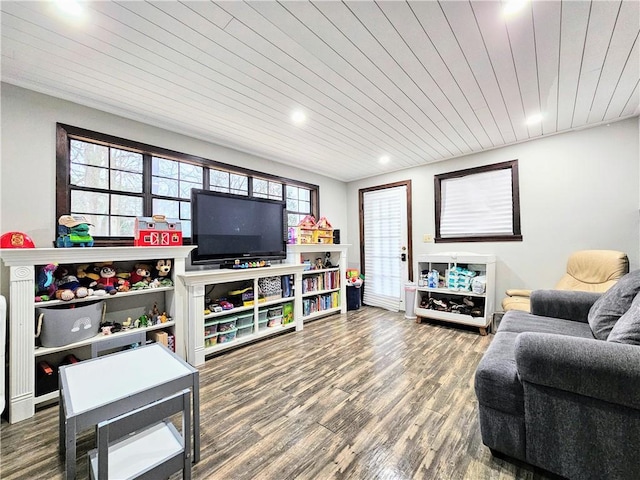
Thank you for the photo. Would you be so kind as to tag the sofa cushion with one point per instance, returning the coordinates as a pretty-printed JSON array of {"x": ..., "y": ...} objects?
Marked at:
[
  {"x": 627, "y": 328},
  {"x": 614, "y": 303},
  {"x": 496, "y": 383},
  {"x": 518, "y": 322}
]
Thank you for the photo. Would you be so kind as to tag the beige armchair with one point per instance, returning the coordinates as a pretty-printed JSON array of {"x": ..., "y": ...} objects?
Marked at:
[{"x": 587, "y": 270}]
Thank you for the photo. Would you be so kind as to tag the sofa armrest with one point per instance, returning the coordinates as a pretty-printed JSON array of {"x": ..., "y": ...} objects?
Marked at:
[
  {"x": 518, "y": 292},
  {"x": 594, "y": 368},
  {"x": 565, "y": 304}
]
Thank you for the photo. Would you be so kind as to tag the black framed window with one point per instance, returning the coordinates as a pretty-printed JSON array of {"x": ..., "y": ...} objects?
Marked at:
[
  {"x": 112, "y": 180},
  {"x": 479, "y": 204}
]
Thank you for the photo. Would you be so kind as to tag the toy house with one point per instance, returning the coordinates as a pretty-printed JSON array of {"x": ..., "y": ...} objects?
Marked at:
[
  {"x": 303, "y": 232},
  {"x": 157, "y": 231},
  {"x": 323, "y": 232}
]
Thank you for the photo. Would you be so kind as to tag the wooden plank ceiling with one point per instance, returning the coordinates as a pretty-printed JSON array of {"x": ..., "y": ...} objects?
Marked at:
[{"x": 418, "y": 82}]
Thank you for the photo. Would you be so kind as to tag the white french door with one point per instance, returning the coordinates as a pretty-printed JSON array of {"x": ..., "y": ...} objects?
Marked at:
[{"x": 386, "y": 247}]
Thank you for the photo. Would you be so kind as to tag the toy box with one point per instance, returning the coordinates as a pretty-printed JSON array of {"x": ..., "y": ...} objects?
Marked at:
[{"x": 157, "y": 231}]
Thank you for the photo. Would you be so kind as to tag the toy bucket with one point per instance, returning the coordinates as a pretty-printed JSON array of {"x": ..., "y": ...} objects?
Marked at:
[{"x": 60, "y": 325}]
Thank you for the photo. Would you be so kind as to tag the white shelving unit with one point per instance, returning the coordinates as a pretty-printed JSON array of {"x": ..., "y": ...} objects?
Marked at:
[
  {"x": 197, "y": 284},
  {"x": 306, "y": 255},
  {"x": 443, "y": 262},
  {"x": 23, "y": 264}
]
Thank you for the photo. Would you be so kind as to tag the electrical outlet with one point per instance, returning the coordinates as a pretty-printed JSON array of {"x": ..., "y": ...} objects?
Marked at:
[{"x": 427, "y": 238}]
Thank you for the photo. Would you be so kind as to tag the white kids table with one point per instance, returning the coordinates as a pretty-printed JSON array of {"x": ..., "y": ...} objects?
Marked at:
[{"x": 108, "y": 386}]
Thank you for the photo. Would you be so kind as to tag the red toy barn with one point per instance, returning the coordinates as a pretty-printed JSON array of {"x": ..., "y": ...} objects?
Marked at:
[{"x": 157, "y": 231}]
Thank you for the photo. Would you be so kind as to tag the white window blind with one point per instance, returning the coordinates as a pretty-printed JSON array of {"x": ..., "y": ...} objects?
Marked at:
[
  {"x": 384, "y": 214},
  {"x": 480, "y": 204}
]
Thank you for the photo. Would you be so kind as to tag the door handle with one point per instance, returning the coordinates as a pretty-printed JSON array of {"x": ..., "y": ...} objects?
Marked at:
[{"x": 403, "y": 257}]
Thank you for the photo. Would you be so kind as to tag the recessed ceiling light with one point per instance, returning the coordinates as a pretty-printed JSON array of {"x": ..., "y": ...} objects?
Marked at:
[
  {"x": 70, "y": 7},
  {"x": 384, "y": 159},
  {"x": 512, "y": 7},
  {"x": 534, "y": 119},
  {"x": 298, "y": 117}
]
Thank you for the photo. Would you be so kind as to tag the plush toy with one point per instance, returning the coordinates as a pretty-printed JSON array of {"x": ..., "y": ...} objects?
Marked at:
[
  {"x": 354, "y": 278},
  {"x": 141, "y": 276},
  {"x": 68, "y": 286},
  {"x": 162, "y": 272},
  {"x": 88, "y": 275},
  {"x": 108, "y": 280},
  {"x": 73, "y": 231},
  {"x": 46, "y": 288}
]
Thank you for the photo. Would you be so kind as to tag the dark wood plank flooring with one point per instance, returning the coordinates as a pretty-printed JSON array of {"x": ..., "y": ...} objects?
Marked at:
[{"x": 367, "y": 395}]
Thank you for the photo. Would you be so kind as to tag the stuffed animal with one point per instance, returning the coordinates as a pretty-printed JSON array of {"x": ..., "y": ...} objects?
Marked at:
[
  {"x": 162, "y": 270},
  {"x": 68, "y": 285},
  {"x": 88, "y": 275},
  {"x": 46, "y": 288},
  {"x": 73, "y": 231},
  {"x": 108, "y": 280},
  {"x": 141, "y": 273}
]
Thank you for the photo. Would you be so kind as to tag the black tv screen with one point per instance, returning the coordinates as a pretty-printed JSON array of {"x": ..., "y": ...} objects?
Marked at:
[{"x": 228, "y": 227}]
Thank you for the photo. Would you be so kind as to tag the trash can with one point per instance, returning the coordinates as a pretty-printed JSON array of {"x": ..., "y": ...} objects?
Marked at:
[
  {"x": 409, "y": 300},
  {"x": 353, "y": 297}
]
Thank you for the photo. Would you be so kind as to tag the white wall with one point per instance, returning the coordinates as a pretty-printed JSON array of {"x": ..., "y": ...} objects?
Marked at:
[
  {"x": 578, "y": 190},
  {"x": 27, "y": 167}
]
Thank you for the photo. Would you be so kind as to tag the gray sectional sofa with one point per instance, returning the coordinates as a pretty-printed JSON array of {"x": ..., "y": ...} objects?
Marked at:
[{"x": 559, "y": 388}]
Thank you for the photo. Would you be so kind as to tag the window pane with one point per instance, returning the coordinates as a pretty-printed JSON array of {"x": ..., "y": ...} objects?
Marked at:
[
  {"x": 185, "y": 188},
  {"x": 91, "y": 177},
  {"x": 260, "y": 187},
  {"x": 89, "y": 202},
  {"x": 275, "y": 190},
  {"x": 100, "y": 225},
  {"x": 164, "y": 168},
  {"x": 191, "y": 173},
  {"x": 126, "y": 181},
  {"x": 185, "y": 210},
  {"x": 186, "y": 228},
  {"x": 239, "y": 184},
  {"x": 164, "y": 186},
  {"x": 292, "y": 204},
  {"x": 89, "y": 153},
  {"x": 293, "y": 219},
  {"x": 292, "y": 192},
  {"x": 304, "y": 194},
  {"x": 168, "y": 208},
  {"x": 124, "y": 160},
  {"x": 125, "y": 205},
  {"x": 219, "y": 178},
  {"x": 122, "y": 226},
  {"x": 304, "y": 207}
]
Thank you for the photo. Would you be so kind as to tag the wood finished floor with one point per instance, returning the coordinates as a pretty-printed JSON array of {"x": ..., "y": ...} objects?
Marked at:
[{"x": 367, "y": 395}]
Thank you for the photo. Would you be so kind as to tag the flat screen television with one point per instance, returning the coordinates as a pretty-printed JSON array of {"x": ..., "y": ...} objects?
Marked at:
[{"x": 228, "y": 227}]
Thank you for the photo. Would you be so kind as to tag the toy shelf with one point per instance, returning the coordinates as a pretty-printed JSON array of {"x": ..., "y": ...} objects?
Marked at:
[
  {"x": 197, "y": 282},
  {"x": 483, "y": 264},
  {"x": 23, "y": 263},
  {"x": 42, "y": 351},
  {"x": 92, "y": 298}
]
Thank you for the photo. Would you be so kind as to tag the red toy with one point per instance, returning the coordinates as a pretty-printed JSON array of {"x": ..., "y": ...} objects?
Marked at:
[
  {"x": 16, "y": 240},
  {"x": 157, "y": 231}
]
